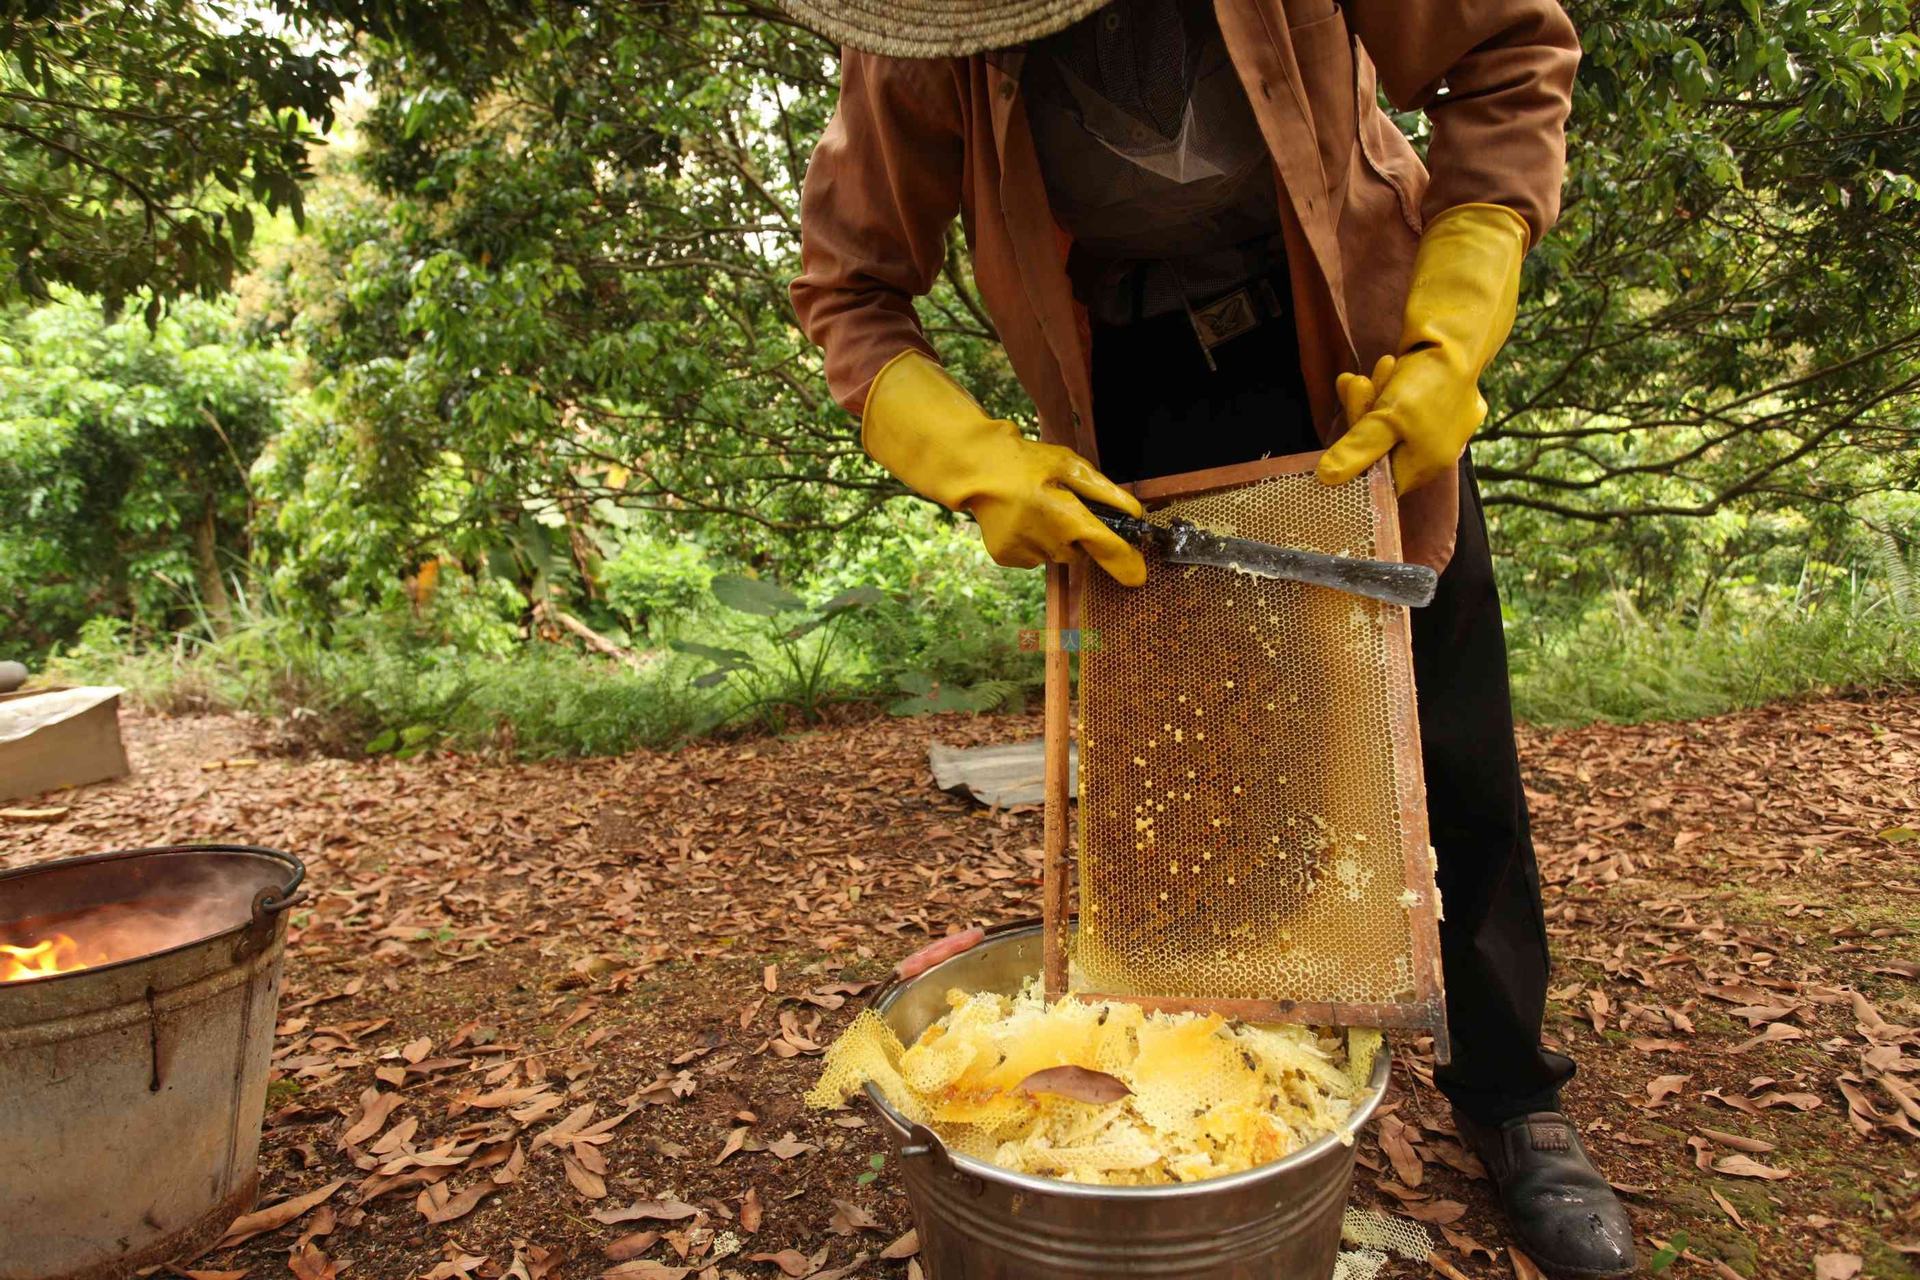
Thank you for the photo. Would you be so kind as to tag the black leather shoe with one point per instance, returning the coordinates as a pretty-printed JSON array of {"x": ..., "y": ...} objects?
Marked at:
[{"x": 1563, "y": 1213}]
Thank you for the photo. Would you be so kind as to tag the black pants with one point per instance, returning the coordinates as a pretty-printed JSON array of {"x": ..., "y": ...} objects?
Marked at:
[{"x": 1159, "y": 410}]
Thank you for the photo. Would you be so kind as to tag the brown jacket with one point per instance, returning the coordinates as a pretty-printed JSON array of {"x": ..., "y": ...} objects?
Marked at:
[{"x": 914, "y": 142}]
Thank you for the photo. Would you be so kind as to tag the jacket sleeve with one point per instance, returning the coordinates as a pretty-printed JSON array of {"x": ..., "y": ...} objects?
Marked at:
[
  {"x": 883, "y": 186},
  {"x": 1496, "y": 79}
]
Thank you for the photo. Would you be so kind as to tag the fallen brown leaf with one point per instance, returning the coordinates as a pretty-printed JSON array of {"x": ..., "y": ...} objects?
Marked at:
[
  {"x": 1747, "y": 1167},
  {"x": 563, "y": 1132},
  {"x": 308, "y": 1263},
  {"x": 1739, "y": 1142},
  {"x": 1467, "y": 1245},
  {"x": 849, "y": 1219},
  {"x": 646, "y": 1210},
  {"x": 1798, "y": 1101},
  {"x": 272, "y": 1218},
  {"x": 1836, "y": 1266},
  {"x": 788, "y": 1147},
  {"x": 1660, "y": 1088},
  {"x": 375, "y": 1107},
  {"x": 1440, "y": 1213},
  {"x": 586, "y": 1181},
  {"x": 736, "y": 1139},
  {"x": 462, "y": 1203},
  {"x": 1523, "y": 1268},
  {"x": 641, "y": 1269},
  {"x": 790, "y": 1261},
  {"x": 395, "y": 1138},
  {"x": 631, "y": 1246},
  {"x": 1406, "y": 1161},
  {"x": 1078, "y": 1084},
  {"x": 1646, "y": 1044}
]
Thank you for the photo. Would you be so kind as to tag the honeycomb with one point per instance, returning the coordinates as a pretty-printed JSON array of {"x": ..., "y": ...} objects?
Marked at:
[
  {"x": 1383, "y": 1233},
  {"x": 1245, "y": 764},
  {"x": 1206, "y": 1097}
]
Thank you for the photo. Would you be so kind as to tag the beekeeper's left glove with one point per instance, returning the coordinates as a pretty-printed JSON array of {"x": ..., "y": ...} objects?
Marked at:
[{"x": 1423, "y": 404}]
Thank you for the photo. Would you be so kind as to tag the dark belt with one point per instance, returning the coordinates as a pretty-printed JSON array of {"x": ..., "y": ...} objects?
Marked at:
[{"x": 1224, "y": 316}]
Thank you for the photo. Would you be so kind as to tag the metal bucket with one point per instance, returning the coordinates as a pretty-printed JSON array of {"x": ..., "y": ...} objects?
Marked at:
[
  {"x": 1280, "y": 1221},
  {"x": 131, "y": 1092}
]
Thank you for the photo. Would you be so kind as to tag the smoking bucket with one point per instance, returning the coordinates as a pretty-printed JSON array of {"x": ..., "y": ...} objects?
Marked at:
[
  {"x": 1280, "y": 1221},
  {"x": 136, "y": 1028}
]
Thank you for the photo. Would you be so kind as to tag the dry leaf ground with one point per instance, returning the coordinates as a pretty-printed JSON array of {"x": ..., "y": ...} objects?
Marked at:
[{"x": 555, "y": 1019}]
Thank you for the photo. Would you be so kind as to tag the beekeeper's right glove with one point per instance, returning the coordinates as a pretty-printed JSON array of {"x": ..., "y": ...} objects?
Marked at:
[{"x": 923, "y": 427}]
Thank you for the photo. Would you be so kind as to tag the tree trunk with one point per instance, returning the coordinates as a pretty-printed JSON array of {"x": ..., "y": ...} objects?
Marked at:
[{"x": 206, "y": 565}]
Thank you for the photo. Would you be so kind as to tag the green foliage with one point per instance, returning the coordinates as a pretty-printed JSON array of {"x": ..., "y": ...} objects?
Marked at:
[
  {"x": 555, "y": 282},
  {"x": 1618, "y": 664},
  {"x": 799, "y": 676},
  {"x": 124, "y": 454},
  {"x": 136, "y": 139},
  {"x": 1726, "y": 322},
  {"x": 926, "y": 694},
  {"x": 391, "y": 683},
  {"x": 548, "y": 365},
  {"x": 947, "y": 635},
  {"x": 555, "y": 287},
  {"x": 1669, "y": 1253},
  {"x": 651, "y": 581}
]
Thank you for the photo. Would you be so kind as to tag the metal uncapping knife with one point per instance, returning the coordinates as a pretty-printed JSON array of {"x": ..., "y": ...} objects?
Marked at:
[{"x": 1182, "y": 542}]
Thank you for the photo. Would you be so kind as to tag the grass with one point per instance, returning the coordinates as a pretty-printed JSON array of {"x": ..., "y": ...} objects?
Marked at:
[
  {"x": 379, "y": 684},
  {"x": 1621, "y": 666},
  {"x": 400, "y": 685}
]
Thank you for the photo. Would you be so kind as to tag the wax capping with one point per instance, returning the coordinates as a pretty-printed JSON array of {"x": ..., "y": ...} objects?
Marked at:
[{"x": 1203, "y": 1096}]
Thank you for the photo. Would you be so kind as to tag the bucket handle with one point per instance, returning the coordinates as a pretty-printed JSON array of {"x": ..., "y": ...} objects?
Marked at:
[
  {"x": 267, "y": 906},
  {"x": 923, "y": 1144}
]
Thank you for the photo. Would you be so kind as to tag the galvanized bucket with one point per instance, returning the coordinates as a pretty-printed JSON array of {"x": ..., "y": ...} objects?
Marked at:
[
  {"x": 131, "y": 1091},
  {"x": 1280, "y": 1221}
]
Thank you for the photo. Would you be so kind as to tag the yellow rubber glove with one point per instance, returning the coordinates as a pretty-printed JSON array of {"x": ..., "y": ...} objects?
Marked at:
[
  {"x": 937, "y": 440},
  {"x": 1425, "y": 405}
]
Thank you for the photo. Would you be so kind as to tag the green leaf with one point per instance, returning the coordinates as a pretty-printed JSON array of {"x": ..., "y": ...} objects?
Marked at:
[
  {"x": 386, "y": 740},
  {"x": 732, "y": 658},
  {"x": 755, "y": 596},
  {"x": 854, "y": 598},
  {"x": 1669, "y": 1253}
]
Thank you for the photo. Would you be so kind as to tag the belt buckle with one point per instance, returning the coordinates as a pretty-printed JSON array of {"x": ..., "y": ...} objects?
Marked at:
[{"x": 1225, "y": 318}]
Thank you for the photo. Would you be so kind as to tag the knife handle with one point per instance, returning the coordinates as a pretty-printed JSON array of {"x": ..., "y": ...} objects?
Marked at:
[{"x": 1140, "y": 533}]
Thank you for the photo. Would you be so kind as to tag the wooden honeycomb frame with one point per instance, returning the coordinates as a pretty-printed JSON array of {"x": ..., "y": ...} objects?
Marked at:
[{"x": 1423, "y": 1006}]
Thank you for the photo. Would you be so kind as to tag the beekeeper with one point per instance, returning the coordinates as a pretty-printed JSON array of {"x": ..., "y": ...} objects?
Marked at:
[{"x": 1201, "y": 241}]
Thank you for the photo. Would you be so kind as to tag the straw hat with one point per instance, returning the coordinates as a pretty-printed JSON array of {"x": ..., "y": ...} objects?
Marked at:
[{"x": 937, "y": 28}]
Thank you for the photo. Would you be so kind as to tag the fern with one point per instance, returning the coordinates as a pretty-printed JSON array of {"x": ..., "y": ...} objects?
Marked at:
[{"x": 1898, "y": 571}]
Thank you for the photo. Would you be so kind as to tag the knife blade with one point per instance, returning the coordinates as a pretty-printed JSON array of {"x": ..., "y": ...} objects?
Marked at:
[{"x": 1182, "y": 542}]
